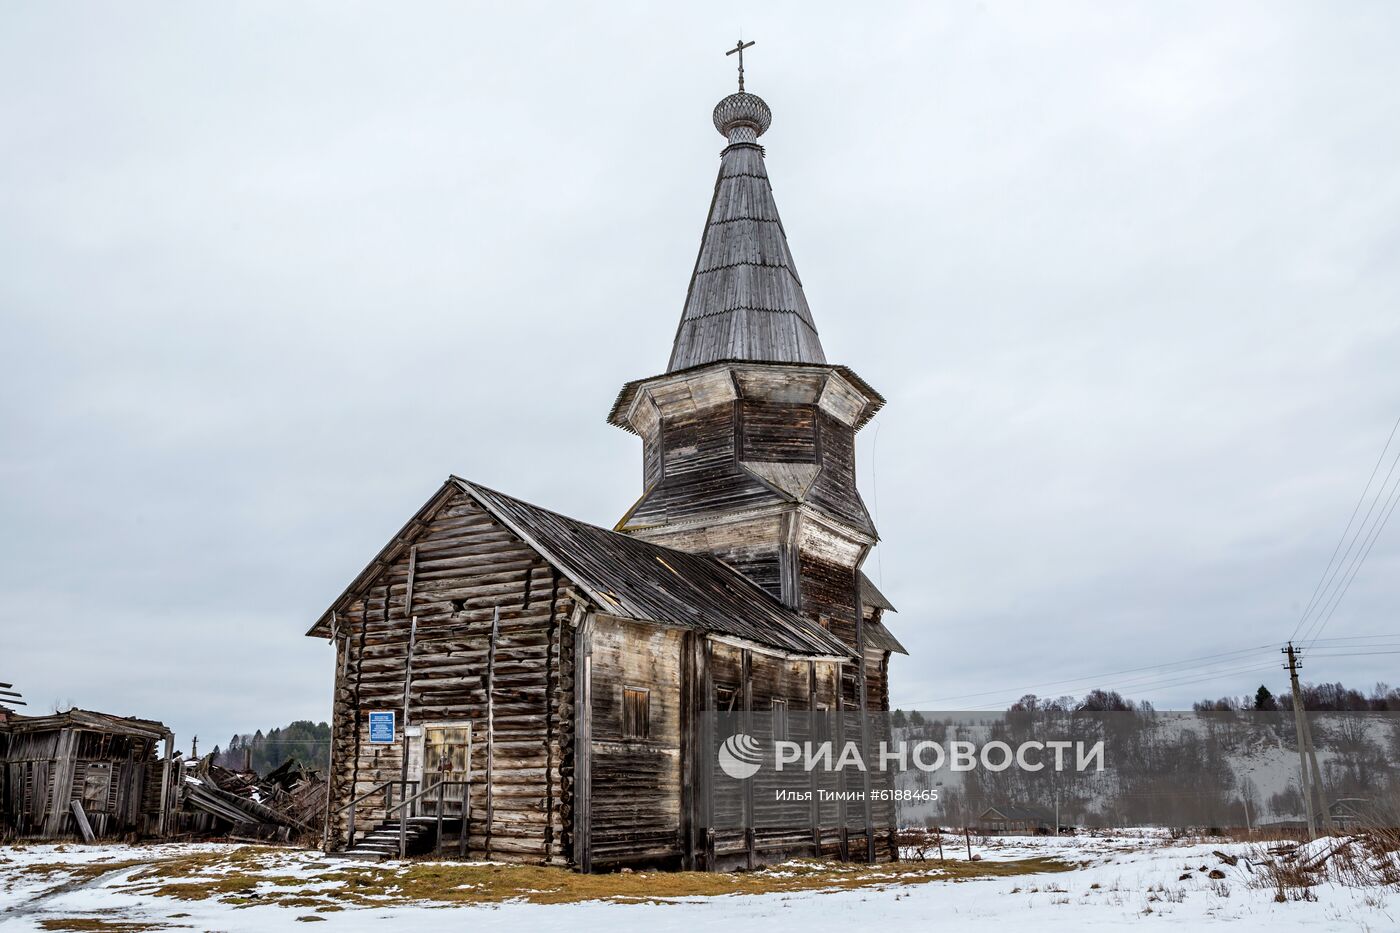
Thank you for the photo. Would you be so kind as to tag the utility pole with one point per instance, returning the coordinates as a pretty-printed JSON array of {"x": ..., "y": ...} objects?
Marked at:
[
  {"x": 1307, "y": 754},
  {"x": 408, "y": 681},
  {"x": 194, "y": 748}
]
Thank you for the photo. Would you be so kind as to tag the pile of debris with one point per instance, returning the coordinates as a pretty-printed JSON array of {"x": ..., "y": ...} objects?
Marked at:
[
  {"x": 285, "y": 806},
  {"x": 1364, "y": 859}
]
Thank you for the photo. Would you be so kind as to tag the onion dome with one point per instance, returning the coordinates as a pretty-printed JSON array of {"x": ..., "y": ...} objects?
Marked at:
[{"x": 742, "y": 117}]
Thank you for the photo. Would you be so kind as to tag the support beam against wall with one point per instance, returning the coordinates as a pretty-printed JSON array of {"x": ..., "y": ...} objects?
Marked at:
[
  {"x": 80, "y": 817},
  {"x": 689, "y": 748},
  {"x": 842, "y": 817},
  {"x": 336, "y": 676},
  {"x": 356, "y": 713},
  {"x": 165, "y": 788},
  {"x": 583, "y": 744},
  {"x": 750, "y": 834},
  {"x": 491, "y": 724},
  {"x": 789, "y": 561},
  {"x": 408, "y": 667},
  {"x": 61, "y": 782},
  {"x": 864, "y": 699},
  {"x": 707, "y": 789},
  {"x": 550, "y": 678}
]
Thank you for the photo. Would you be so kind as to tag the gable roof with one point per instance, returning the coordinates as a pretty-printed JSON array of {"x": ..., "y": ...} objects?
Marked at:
[
  {"x": 89, "y": 720},
  {"x": 1019, "y": 812},
  {"x": 630, "y": 578},
  {"x": 745, "y": 299}
]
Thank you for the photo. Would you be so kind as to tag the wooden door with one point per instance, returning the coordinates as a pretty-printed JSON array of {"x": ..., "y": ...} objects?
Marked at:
[{"x": 446, "y": 758}]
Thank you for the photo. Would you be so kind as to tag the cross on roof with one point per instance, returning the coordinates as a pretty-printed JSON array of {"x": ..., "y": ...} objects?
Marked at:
[{"x": 739, "y": 47}]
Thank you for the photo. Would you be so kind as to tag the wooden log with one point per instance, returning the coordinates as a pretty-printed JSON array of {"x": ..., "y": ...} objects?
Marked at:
[
  {"x": 583, "y": 738},
  {"x": 83, "y": 826},
  {"x": 491, "y": 730},
  {"x": 549, "y": 684},
  {"x": 689, "y": 746},
  {"x": 747, "y": 681}
]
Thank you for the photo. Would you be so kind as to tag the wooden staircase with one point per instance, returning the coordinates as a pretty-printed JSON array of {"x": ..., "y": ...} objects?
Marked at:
[
  {"x": 382, "y": 842},
  {"x": 421, "y": 833}
]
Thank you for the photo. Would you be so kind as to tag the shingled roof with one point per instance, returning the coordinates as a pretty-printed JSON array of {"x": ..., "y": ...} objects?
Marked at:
[
  {"x": 745, "y": 300},
  {"x": 89, "y": 720},
  {"x": 627, "y": 577},
  {"x": 1016, "y": 812}
]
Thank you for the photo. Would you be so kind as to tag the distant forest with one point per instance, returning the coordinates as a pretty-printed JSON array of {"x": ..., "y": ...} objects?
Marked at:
[
  {"x": 1321, "y": 698},
  {"x": 308, "y": 742},
  {"x": 1230, "y": 762}
]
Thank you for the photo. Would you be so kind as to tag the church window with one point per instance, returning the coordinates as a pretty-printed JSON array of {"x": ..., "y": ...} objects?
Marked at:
[{"x": 636, "y": 713}]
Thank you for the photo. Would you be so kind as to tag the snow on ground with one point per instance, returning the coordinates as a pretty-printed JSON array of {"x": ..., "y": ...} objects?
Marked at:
[{"x": 1119, "y": 881}]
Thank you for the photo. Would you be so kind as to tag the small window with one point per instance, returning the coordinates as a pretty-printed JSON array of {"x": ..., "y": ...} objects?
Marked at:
[
  {"x": 725, "y": 698},
  {"x": 636, "y": 713}
]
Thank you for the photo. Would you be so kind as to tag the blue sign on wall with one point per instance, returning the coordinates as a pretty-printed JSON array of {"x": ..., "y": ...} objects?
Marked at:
[{"x": 381, "y": 727}]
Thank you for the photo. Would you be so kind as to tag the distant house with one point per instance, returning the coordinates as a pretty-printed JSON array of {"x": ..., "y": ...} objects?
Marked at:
[
  {"x": 1353, "y": 812},
  {"x": 85, "y": 774},
  {"x": 1016, "y": 819}
]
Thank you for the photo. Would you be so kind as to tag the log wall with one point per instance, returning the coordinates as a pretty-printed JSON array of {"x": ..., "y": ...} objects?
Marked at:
[
  {"x": 466, "y": 567},
  {"x": 740, "y": 679},
  {"x": 635, "y": 807}
]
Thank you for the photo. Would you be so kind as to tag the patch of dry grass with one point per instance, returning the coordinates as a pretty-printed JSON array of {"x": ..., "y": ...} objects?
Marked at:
[
  {"x": 232, "y": 881},
  {"x": 257, "y": 875},
  {"x": 84, "y": 924},
  {"x": 79, "y": 872}
]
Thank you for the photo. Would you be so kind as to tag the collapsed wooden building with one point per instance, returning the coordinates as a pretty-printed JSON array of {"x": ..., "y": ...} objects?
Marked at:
[
  {"x": 85, "y": 774},
  {"x": 528, "y": 686}
]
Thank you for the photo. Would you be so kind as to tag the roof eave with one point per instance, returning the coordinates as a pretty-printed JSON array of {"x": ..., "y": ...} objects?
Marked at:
[{"x": 622, "y": 406}]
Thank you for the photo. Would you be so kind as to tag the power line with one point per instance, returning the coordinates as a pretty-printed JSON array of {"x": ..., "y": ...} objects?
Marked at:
[
  {"x": 1209, "y": 675},
  {"x": 1089, "y": 677},
  {"x": 1316, "y": 641},
  {"x": 1098, "y": 677},
  {"x": 1351, "y": 654},
  {"x": 1341, "y": 576},
  {"x": 1355, "y": 509},
  {"x": 1192, "y": 679},
  {"x": 1171, "y": 679},
  {"x": 1371, "y": 542},
  {"x": 1335, "y": 568}
]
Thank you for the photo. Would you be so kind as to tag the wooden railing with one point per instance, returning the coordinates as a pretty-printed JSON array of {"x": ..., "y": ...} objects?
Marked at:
[
  {"x": 411, "y": 794},
  {"x": 384, "y": 787},
  {"x": 441, "y": 788}
]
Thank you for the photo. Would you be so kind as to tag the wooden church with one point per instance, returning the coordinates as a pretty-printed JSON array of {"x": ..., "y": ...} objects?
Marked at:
[{"x": 515, "y": 684}]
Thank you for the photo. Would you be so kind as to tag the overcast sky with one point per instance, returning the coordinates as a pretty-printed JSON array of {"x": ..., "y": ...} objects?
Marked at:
[{"x": 1127, "y": 274}]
